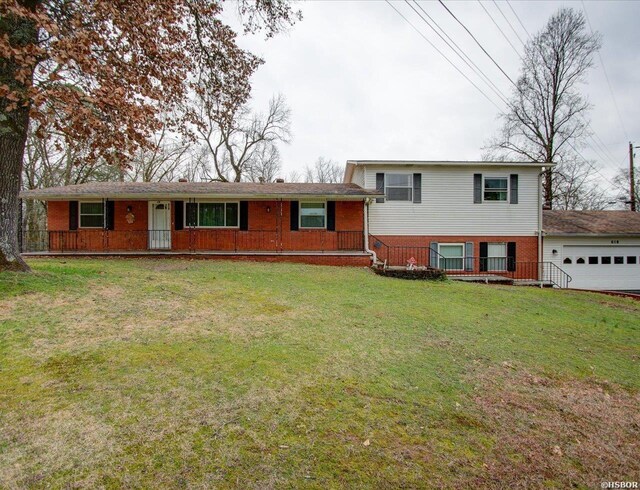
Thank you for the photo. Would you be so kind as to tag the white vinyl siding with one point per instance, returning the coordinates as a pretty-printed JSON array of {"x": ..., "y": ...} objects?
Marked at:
[
  {"x": 447, "y": 206},
  {"x": 358, "y": 176},
  {"x": 582, "y": 258}
]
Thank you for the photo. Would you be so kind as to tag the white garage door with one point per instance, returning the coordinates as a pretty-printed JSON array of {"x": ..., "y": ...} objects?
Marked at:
[{"x": 614, "y": 267}]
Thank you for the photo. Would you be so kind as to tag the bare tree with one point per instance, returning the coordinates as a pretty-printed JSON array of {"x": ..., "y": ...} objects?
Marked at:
[
  {"x": 324, "y": 171},
  {"x": 622, "y": 180},
  {"x": 576, "y": 187},
  {"x": 243, "y": 146},
  {"x": 546, "y": 120},
  {"x": 163, "y": 160}
]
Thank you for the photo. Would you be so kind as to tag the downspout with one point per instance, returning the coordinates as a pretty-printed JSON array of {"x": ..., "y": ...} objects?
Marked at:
[
  {"x": 540, "y": 256},
  {"x": 366, "y": 231}
]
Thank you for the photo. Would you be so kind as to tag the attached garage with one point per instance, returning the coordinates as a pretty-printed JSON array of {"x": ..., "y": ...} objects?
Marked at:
[{"x": 598, "y": 249}]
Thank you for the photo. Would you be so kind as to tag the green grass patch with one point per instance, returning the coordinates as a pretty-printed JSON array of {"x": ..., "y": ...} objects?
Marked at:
[{"x": 176, "y": 373}]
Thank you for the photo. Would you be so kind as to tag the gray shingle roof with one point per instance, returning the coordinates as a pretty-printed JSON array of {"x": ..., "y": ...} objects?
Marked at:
[
  {"x": 142, "y": 190},
  {"x": 591, "y": 222}
]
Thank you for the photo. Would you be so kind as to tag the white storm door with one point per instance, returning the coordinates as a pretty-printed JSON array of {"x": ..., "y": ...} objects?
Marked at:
[{"x": 159, "y": 225}]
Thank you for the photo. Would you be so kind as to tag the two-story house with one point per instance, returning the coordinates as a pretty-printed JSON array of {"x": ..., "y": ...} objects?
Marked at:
[{"x": 462, "y": 216}]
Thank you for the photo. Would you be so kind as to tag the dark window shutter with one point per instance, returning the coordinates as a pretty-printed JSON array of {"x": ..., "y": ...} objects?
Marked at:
[
  {"x": 468, "y": 256},
  {"x": 380, "y": 185},
  {"x": 511, "y": 256},
  {"x": 178, "y": 218},
  {"x": 484, "y": 251},
  {"x": 110, "y": 214},
  {"x": 293, "y": 215},
  {"x": 433, "y": 255},
  {"x": 513, "y": 189},
  {"x": 417, "y": 188},
  {"x": 244, "y": 215},
  {"x": 73, "y": 215},
  {"x": 477, "y": 188},
  {"x": 192, "y": 214},
  {"x": 331, "y": 216}
]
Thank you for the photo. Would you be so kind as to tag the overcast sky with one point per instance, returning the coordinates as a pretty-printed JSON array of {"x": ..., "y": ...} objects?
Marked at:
[{"x": 362, "y": 84}]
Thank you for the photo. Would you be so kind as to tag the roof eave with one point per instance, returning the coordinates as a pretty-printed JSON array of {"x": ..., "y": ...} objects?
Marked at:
[
  {"x": 590, "y": 235},
  {"x": 148, "y": 196}
]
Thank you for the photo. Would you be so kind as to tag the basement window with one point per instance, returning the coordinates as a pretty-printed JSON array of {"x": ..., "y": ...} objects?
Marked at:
[
  {"x": 92, "y": 214},
  {"x": 497, "y": 257}
]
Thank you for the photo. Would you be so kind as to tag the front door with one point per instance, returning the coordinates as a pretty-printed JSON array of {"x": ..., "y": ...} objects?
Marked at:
[{"x": 159, "y": 225}]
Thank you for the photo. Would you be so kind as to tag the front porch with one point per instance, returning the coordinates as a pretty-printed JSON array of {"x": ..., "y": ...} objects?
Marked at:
[{"x": 191, "y": 241}]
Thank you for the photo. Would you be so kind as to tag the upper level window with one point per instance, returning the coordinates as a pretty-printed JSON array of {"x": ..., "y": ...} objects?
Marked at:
[
  {"x": 214, "y": 215},
  {"x": 399, "y": 187},
  {"x": 313, "y": 214},
  {"x": 496, "y": 189},
  {"x": 91, "y": 215}
]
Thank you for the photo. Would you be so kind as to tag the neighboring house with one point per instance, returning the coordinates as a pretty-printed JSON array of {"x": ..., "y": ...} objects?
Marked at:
[
  {"x": 598, "y": 249},
  {"x": 315, "y": 223},
  {"x": 466, "y": 217}
]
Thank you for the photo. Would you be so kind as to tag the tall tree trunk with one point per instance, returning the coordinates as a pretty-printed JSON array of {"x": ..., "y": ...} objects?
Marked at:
[
  {"x": 13, "y": 136},
  {"x": 11, "y": 152},
  {"x": 548, "y": 189}
]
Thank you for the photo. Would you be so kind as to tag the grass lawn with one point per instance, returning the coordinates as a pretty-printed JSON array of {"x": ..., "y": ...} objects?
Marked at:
[{"x": 199, "y": 374}]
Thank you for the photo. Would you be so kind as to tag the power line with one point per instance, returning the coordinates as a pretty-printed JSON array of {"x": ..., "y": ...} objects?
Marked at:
[
  {"x": 518, "y": 18},
  {"x": 594, "y": 136},
  {"x": 443, "y": 55},
  {"x": 501, "y": 31},
  {"x": 508, "y": 22},
  {"x": 458, "y": 51},
  {"x": 478, "y": 43},
  {"x": 606, "y": 75}
]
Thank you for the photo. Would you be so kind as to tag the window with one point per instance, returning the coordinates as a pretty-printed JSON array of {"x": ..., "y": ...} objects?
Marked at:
[
  {"x": 495, "y": 189},
  {"x": 593, "y": 260},
  {"x": 631, "y": 259},
  {"x": 91, "y": 215},
  {"x": 605, "y": 260},
  {"x": 312, "y": 214},
  {"x": 497, "y": 257},
  {"x": 214, "y": 215},
  {"x": 452, "y": 256},
  {"x": 580, "y": 260},
  {"x": 399, "y": 187},
  {"x": 567, "y": 260},
  {"x": 618, "y": 260}
]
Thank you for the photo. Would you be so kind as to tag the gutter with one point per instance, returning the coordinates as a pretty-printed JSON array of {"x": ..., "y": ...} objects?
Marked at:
[
  {"x": 171, "y": 197},
  {"x": 366, "y": 231}
]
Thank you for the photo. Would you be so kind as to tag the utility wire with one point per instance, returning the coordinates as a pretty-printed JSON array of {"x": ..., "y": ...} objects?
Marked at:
[
  {"x": 479, "y": 89},
  {"x": 606, "y": 75},
  {"x": 604, "y": 147},
  {"x": 477, "y": 42},
  {"x": 458, "y": 51},
  {"x": 518, "y": 18},
  {"x": 501, "y": 31},
  {"x": 508, "y": 22},
  {"x": 443, "y": 55}
]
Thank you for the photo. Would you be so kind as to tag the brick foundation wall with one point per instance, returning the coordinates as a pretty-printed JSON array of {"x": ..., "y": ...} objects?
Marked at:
[{"x": 398, "y": 249}]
